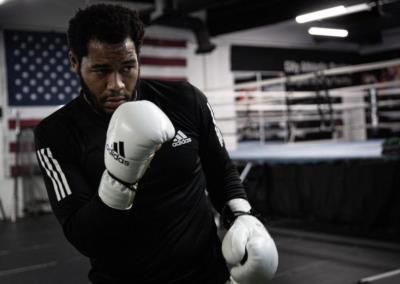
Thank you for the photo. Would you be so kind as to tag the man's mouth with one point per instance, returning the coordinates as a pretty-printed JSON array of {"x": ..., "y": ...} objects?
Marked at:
[{"x": 113, "y": 102}]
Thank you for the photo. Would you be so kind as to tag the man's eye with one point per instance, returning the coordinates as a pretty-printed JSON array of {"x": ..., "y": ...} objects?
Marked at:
[
  {"x": 101, "y": 71},
  {"x": 127, "y": 69}
]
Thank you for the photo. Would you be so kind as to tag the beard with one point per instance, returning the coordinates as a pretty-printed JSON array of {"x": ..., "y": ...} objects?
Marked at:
[{"x": 98, "y": 102}]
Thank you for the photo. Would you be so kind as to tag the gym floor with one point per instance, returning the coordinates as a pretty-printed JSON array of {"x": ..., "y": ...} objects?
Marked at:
[{"x": 34, "y": 250}]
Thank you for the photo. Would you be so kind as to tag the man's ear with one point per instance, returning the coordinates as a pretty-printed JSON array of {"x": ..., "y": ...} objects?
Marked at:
[{"x": 73, "y": 61}]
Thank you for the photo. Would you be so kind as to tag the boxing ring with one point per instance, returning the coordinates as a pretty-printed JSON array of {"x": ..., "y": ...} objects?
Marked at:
[
  {"x": 305, "y": 151},
  {"x": 313, "y": 179},
  {"x": 315, "y": 159}
]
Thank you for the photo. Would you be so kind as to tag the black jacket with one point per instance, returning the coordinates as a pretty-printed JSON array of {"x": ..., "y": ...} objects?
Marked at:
[{"x": 169, "y": 235}]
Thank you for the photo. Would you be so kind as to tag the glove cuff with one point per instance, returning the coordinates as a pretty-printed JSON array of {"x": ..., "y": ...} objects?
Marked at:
[
  {"x": 115, "y": 194},
  {"x": 229, "y": 216}
]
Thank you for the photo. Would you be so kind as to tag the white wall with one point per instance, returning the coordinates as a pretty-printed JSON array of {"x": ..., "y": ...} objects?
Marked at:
[
  {"x": 6, "y": 184},
  {"x": 213, "y": 70},
  {"x": 354, "y": 126},
  {"x": 3, "y": 103}
]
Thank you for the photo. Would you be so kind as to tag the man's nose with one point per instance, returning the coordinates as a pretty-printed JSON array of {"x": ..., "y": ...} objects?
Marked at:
[{"x": 115, "y": 82}]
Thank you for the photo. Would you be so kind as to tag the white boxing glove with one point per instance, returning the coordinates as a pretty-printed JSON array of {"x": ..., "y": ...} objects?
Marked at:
[
  {"x": 136, "y": 131},
  {"x": 248, "y": 248}
]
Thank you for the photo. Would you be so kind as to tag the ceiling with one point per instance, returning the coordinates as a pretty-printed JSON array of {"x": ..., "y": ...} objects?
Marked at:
[
  {"x": 245, "y": 22},
  {"x": 230, "y": 16}
]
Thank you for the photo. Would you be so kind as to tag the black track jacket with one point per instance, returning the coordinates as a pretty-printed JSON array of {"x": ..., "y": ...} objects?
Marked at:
[{"x": 169, "y": 234}]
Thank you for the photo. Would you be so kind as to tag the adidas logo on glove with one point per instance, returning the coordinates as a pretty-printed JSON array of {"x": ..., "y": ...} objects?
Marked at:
[
  {"x": 117, "y": 152},
  {"x": 180, "y": 139}
]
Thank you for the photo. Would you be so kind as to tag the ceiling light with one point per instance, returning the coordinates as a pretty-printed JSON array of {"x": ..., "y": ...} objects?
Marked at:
[
  {"x": 333, "y": 12},
  {"x": 328, "y": 32}
]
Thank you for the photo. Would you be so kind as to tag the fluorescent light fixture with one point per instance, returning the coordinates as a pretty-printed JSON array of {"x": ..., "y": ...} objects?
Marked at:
[
  {"x": 328, "y": 32},
  {"x": 333, "y": 12},
  {"x": 2, "y": 1}
]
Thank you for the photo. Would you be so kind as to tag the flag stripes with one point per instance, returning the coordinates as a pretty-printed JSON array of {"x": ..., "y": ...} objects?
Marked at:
[
  {"x": 164, "y": 42},
  {"x": 162, "y": 52},
  {"x": 23, "y": 123},
  {"x": 162, "y": 61},
  {"x": 172, "y": 73}
]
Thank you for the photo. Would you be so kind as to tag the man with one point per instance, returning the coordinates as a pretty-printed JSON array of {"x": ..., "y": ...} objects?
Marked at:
[{"x": 126, "y": 165}]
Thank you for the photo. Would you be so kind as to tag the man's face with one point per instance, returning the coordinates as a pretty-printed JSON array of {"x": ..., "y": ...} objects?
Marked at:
[{"x": 109, "y": 73}]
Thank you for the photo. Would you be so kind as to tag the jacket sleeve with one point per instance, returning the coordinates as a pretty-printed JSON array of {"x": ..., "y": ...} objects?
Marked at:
[
  {"x": 223, "y": 182},
  {"x": 88, "y": 224}
]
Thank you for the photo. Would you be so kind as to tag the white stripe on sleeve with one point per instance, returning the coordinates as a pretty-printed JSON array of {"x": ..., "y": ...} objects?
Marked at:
[
  {"x": 58, "y": 168},
  {"x": 217, "y": 130},
  {"x": 53, "y": 181},
  {"x": 55, "y": 173}
]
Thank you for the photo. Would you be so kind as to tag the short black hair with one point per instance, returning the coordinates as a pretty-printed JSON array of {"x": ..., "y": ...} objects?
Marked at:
[{"x": 104, "y": 22}]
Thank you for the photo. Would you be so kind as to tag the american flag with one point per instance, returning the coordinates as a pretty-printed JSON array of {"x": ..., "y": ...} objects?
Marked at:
[
  {"x": 38, "y": 70},
  {"x": 39, "y": 78}
]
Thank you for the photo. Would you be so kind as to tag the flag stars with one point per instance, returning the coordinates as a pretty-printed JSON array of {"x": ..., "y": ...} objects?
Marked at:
[
  {"x": 32, "y": 82},
  {"x": 25, "y": 89},
  {"x": 54, "y": 89},
  {"x": 39, "y": 71}
]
